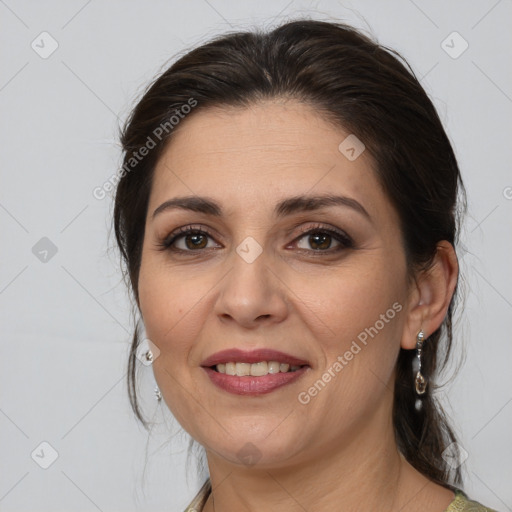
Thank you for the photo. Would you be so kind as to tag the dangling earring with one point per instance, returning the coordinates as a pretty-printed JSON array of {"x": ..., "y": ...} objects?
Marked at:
[
  {"x": 149, "y": 358},
  {"x": 420, "y": 382}
]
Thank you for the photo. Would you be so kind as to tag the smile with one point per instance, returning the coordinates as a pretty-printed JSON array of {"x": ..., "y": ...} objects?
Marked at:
[
  {"x": 251, "y": 385},
  {"x": 255, "y": 369},
  {"x": 253, "y": 372}
]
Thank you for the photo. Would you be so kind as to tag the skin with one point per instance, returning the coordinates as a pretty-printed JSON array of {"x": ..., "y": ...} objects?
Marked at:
[{"x": 338, "y": 451}]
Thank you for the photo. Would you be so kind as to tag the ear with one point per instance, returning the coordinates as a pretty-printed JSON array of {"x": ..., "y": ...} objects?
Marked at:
[{"x": 430, "y": 295}]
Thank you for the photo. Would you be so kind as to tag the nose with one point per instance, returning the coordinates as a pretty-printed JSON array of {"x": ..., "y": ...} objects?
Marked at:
[{"x": 252, "y": 294}]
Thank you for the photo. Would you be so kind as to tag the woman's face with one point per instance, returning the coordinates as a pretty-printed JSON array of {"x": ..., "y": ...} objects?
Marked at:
[{"x": 254, "y": 280}]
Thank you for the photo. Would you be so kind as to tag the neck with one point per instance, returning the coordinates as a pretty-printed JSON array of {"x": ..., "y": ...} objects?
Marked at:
[{"x": 365, "y": 471}]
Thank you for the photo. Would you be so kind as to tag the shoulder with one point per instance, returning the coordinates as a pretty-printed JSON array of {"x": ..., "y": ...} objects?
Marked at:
[
  {"x": 197, "y": 504},
  {"x": 462, "y": 503}
]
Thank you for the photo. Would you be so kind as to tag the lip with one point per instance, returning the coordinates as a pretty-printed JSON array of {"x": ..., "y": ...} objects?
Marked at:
[
  {"x": 252, "y": 356},
  {"x": 253, "y": 386}
]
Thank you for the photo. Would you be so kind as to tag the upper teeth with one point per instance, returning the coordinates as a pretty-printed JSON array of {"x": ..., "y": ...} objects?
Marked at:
[{"x": 255, "y": 369}]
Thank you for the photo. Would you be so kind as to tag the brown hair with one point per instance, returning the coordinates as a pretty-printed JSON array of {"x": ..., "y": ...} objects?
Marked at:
[{"x": 362, "y": 87}]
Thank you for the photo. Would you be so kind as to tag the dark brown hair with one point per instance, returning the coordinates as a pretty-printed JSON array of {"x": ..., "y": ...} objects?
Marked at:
[{"x": 368, "y": 90}]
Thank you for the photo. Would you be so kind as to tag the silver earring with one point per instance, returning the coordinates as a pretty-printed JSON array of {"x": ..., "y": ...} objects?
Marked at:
[
  {"x": 420, "y": 382},
  {"x": 149, "y": 356}
]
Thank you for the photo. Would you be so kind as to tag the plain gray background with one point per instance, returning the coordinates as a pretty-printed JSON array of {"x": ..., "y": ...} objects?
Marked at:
[{"x": 65, "y": 324}]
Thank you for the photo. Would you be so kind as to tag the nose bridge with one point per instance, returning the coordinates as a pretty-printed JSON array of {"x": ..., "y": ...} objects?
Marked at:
[
  {"x": 249, "y": 250},
  {"x": 250, "y": 290}
]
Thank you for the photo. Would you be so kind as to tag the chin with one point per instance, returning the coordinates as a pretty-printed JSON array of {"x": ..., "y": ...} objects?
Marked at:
[{"x": 262, "y": 452}]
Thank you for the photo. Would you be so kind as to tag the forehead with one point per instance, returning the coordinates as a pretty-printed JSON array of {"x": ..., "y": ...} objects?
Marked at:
[
  {"x": 265, "y": 129},
  {"x": 273, "y": 148}
]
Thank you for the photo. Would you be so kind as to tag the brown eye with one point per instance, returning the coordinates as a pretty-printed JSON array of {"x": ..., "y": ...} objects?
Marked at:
[
  {"x": 321, "y": 240},
  {"x": 317, "y": 239},
  {"x": 186, "y": 239},
  {"x": 197, "y": 241}
]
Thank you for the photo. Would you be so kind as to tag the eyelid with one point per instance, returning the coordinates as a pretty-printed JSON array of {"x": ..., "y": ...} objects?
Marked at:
[
  {"x": 343, "y": 239},
  {"x": 182, "y": 232},
  {"x": 324, "y": 227}
]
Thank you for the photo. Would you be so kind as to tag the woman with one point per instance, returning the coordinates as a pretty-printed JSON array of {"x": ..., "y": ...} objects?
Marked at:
[{"x": 287, "y": 213}]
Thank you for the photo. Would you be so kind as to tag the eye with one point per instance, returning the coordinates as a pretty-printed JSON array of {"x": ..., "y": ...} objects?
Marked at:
[
  {"x": 193, "y": 238},
  {"x": 320, "y": 239}
]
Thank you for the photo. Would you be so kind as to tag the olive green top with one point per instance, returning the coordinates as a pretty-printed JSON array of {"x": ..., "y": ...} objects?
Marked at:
[{"x": 461, "y": 502}]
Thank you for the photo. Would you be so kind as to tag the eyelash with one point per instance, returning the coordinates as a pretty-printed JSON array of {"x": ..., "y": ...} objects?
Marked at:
[{"x": 344, "y": 240}]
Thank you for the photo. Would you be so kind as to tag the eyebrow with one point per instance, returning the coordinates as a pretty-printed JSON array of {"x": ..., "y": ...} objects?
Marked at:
[{"x": 286, "y": 207}]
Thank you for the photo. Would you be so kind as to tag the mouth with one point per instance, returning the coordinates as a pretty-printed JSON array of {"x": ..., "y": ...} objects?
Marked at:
[
  {"x": 253, "y": 359},
  {"x": 253, "y": 372},
  {"x": 259, "y": 369}
]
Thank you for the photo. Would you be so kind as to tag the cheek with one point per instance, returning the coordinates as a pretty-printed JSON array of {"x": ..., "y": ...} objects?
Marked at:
[
  {"x": 173, "y": 313},
  {"x": 361, "y": 314},
  {"x": 173, "y": 308},
  {"x": 355, "y": 301}
]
